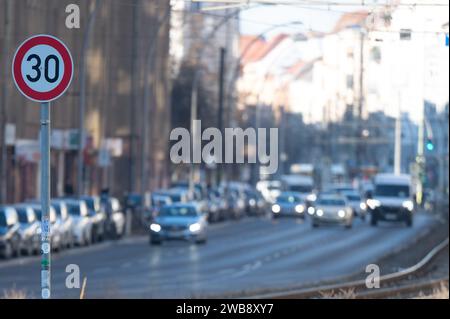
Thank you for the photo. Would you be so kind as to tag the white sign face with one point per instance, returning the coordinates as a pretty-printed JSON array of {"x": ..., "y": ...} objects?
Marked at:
[{"x": 42, "y": 68}]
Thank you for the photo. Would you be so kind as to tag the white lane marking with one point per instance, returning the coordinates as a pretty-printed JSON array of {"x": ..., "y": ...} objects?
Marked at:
[{"x": 247, "y": 268}]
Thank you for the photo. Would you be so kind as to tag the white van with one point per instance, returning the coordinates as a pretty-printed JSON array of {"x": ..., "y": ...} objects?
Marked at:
[
  {"x": 391, "y": 199},
  {"x": 304, "y": 185}
]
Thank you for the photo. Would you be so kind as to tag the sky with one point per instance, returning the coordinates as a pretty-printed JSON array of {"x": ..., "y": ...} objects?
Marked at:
[{"x": 258, "y": 18}]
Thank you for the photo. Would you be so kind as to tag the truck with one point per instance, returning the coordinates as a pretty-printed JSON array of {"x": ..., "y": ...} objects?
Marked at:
[
  {"x": 302, "y": 184},
  {"x": 391, "y": 199}
]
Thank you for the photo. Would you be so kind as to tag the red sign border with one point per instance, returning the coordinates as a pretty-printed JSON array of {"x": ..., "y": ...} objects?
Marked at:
[{"x": 58, "y": 45}]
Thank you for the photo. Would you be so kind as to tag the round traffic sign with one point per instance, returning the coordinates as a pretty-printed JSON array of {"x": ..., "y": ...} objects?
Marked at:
[{"x": 42, "y": 68}]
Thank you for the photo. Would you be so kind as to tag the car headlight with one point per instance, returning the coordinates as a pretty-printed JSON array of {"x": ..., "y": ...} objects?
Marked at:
[
  {"x": 319, "y": 213},
  {"x": 155, "y": 227},
  {"x": 373, "y": 203},
  {"x": 311, "y": 210},
  {"x": 276, "y": 208},
  {"x": 252, "y": 202},
  {"x": 299, "y": 209},
  {"x": 363, "y": 206},
  {"x": 195, "y": 227},
  {"x": 341, "y": 214},
  {"x": 409, "y": 205},
  {"x": 38, "y": 231},
  {"x": 311, "y": 197}
]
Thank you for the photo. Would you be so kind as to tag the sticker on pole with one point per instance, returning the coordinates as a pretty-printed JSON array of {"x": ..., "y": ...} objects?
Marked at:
[{"x": 42, "y": 68}]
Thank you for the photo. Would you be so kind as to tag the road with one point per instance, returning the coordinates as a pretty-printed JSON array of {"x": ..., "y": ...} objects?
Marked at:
[{"x": 251, "y": 254}]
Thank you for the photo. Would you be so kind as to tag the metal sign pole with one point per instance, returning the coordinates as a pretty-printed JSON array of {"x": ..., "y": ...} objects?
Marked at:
[{"x": 45, "y": 200}]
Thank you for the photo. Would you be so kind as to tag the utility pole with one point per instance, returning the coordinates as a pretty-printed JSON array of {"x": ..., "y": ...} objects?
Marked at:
[
  {"x": 398, "y": 140},
  {"x": 420, "y": 156},
  {"x": 146, "y": 140},
  {"x": 82, "y": 106},
  {"x": 221, "y": 103},
  {"x": 132, "y": 114},
  {"x": 194, "y": 97},
  {"x": 359, "y": 146},
  {"x": 4, "y": 100}
]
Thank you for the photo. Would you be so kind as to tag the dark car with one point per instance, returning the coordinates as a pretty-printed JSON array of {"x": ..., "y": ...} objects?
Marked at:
[
  {"x": 10, "y": 239},
  {"x": 256, "y": 205},
  {"x": 29, "y": 227},
  {"x": 289, "y": 204}
]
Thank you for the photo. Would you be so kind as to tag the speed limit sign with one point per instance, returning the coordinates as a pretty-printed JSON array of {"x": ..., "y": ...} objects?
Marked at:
[{"x": 42, "y": 68}]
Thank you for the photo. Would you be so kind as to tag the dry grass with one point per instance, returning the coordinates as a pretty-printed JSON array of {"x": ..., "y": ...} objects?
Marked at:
[
  {"x": 341, "y": 294},
  {"x": 438, "y": 293},
  {"x": 14, "y": 294}
]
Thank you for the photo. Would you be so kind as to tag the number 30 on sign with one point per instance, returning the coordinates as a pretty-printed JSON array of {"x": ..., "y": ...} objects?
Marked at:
[{"x": 42, "y": 68}]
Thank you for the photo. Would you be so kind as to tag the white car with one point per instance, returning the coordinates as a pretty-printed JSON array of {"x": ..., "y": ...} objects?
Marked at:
[
  {"x": 115, "y": 218},
  {"x": 55, "y": 231},
  {"x": 392, "y": 199},
  {"x": 65, "y": 223},
  {"x": 331, "y": 209},
  {"x": 357, "y": 204},
  {"x": 82, "y": 223}
]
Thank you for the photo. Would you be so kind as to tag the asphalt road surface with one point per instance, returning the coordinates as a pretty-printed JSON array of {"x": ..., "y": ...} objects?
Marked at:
[{"x": 246, "y": 255}]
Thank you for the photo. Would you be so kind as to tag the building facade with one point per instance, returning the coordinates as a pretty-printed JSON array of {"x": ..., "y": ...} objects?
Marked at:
[{"x": 115, "y": 64}]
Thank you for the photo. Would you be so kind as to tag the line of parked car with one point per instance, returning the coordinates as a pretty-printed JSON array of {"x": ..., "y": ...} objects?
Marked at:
[
  {"x": 75, "y": 221},
  {"x": 176, "y": 213}
]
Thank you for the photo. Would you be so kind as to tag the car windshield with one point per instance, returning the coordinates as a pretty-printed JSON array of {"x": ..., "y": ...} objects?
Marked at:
[
  {"x": 300, "y": 188},
  {"x": 175, "y": 197},
  {"x": 57, "y": 208},
  {"x": 353, "y": 198},
  {"x": 23, "y": 215},
  {"x": 331, "y": 202},
  {"x": 38, "y": 213},
  {"x": 91, "y": 203},
  {"x": 288, "y": 199},
  {"x": 184, "y": 211},
  {"x": 2, "y": 219},
  {"x": 392, "y": 191},
  {"x": 73, "y": 209}
]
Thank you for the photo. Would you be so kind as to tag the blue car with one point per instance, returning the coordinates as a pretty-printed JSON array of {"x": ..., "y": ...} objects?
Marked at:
[{"x": 180, "y": 221}]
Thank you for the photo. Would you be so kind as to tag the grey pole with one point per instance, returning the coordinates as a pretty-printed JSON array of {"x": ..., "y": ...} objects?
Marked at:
[
  {"x": 45, "y": 200},
  {"x": 145, "y": 174},
  {"x": 82, "y": 107}
]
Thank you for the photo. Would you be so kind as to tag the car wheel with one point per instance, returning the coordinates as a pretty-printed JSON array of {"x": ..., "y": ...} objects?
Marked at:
[
  {"x": 409, "y": 222},
  {"x": 29, "y": 249},
  {"x": 17, "y": 252},
  {"x": 88, "y": 239},
  {"x": 315, "y": 225},
  {"x": 373, "y": 221},
  {"x": 201, "y": 241},
  {"x": 349, "y": 225},
  {"x": 70, "y": 242},
  {"x": 363, "y": 217},
  {"x": 7, "y": 251},
  {"x": 155, "y": 242}
]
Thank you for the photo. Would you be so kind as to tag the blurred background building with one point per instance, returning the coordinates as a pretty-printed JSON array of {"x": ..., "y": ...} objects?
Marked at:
[{"x": 115, "y": 63}]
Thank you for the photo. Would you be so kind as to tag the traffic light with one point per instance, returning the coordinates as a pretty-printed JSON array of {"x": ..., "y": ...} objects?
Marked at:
[{"x": 430, "y": 145}]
